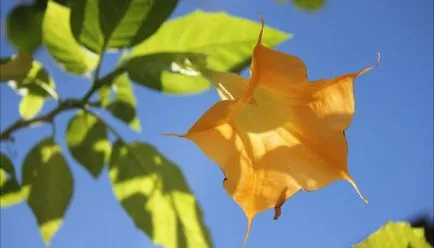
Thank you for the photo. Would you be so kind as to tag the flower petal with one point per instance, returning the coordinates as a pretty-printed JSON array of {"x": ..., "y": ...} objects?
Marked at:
[{"x": 291, "y": 138}]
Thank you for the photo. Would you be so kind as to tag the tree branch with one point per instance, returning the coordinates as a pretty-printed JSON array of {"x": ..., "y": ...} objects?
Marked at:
[
  {"x": 105, "y": 81},
  {"x": 62, "y": 106},
  {"x": 49, "y": 117}
]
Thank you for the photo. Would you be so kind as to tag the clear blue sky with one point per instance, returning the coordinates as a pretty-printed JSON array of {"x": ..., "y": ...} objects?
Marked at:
[{"x": 390, "y": 139}]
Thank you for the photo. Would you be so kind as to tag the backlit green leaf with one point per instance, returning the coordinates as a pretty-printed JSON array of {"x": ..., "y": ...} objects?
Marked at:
[
  {"x": 396, "y": 234},
  {"x": 30, "y": 105},
  {"x": 117, "y": 24},
  {"x": 225, "y": 41},
  {"x": 123, "y": 106},
  {"x": 176, "y": 73},
  {"x": 49, "y": 185},
  {"x": 105, "y": 95},
  {"x": 35, "y": 87},
  {"x": 87, "y": 140},
  {"x": 10, "y": 190},
  {"x": 60, "y": 42},
  {"x": 155, "y": 194}
]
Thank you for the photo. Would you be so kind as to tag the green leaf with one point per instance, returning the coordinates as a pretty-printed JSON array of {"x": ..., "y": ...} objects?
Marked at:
[
  {"x": 87, "y": 140},
  {"x": 176, "y": 73},
  {"x": 123, "y": 106},
  {"x": 15, "y": 67},
  {"x": 396, "y": 234},
  {"x": 23, "y": 27},
  {"x": 4, "y": 60},
  {"x": 30, "y": 105},
  {"x": 35, "y": 87},
  {"x": 8, "y": 170},
  {"x": 60, "y": 42},
  {"x": 225, "y": 41},
  {"x": 155, "y": 194},
  {"x": 105, "y": 96},
  {"x": 62, "y": 2},
  {"x": 10, "y": 190},
  {"x": 309, "y": 5},
  {"x": 117, "y": 24},
  {"x": 85, "y": 24},
  {"x": 49, "y": 184}
]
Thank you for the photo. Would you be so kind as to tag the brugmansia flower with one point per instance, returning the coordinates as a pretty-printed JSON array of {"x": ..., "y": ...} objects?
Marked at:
[{"x": 277, "y": 133}]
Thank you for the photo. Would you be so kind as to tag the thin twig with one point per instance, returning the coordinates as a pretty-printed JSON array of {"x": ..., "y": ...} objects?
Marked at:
[
  {"x": 49, "y": 117},
  {"x": 105, "y": 81},
  {"x": 63, "y": 106}
]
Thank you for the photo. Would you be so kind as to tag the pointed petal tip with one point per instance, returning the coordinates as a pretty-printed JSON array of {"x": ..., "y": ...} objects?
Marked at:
[
  {"x": 174, "y": 134},
  {"x": 349, "y": 179},
  {"x": 249, "y": 227},
  {"x": 370, "y": 67}
]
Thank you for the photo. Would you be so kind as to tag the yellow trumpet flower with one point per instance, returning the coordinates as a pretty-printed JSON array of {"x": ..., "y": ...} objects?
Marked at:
[{"x": 277, "y": 133}]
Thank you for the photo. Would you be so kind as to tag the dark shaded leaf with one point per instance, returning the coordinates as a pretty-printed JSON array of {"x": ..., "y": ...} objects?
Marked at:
[
  {"x": 155, "y": 194},
  {"x": 10, "y": 190},
  {"x": 87, "y": 140},
  {"x": 123, "y": 106},
  {"x": 116, "y": 24},
  {"x": 309, "y": 5},
  {"x": 427, "y": 223},
  {"x": 62, "y": 2},
  {"x": 49, "y": 184},
  {"x": 23, "y": 27},
  {"x": 176, "y": 73}
]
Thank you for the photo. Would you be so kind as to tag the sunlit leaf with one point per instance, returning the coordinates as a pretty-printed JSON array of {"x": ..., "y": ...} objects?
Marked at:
[
  {"x": 224, "y": 42},
  {"x": 35, "y": 87},
  {"x": 177, "y": 73},
  {"x": 30, "y": 105},
  {"x": 10, "y": 190},
  {"x": 49, "y": 185},
  {"x": 396, "y": 234},
  {"x": 123, "y": 106},
  {"x": 116, "y": 24},
  {"x": 277, "y": 133},
  {"x": 105, "y": 95},
  {"x": 87, "y": 140},
  {"x": 227, "y": 41},
  {"x": 155, "y": 194},
  {"x": 60, "y": 42}
]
